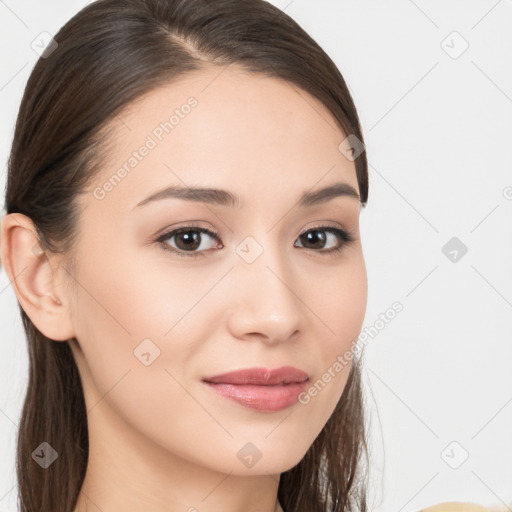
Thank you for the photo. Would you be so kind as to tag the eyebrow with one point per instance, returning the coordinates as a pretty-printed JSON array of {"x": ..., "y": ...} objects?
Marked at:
[{"x": 226, "y": 198}]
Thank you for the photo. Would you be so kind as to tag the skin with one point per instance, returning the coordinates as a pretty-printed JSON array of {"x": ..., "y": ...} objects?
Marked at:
[{"x": 159, "y": 438}]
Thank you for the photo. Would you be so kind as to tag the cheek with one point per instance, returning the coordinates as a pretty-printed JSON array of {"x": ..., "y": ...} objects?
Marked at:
[
  {"x": 139, "y": 315},
  {"x": 119, "y": 315},
  {"x": 341, "y": 306},
  {"x": 146, "y": 391},
  {"x": 131, "y": 297}
]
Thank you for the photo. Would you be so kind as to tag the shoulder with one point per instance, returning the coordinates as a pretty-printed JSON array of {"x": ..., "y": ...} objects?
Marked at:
[{"x": 456, "y": 506}]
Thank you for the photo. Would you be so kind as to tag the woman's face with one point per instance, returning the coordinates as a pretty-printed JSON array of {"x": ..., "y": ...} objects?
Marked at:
[{"x": 246, "y": 285}]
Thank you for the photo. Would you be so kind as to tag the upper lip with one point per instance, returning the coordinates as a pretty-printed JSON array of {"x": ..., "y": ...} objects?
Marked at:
[{"x": 260, "y": 376}]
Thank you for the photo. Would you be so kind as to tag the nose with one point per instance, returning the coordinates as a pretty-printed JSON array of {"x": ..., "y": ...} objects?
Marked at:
[{"x": 266, "y": 298}]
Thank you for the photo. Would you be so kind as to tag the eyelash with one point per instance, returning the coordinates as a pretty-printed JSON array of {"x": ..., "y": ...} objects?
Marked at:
[{"x": 345, "y": 237}]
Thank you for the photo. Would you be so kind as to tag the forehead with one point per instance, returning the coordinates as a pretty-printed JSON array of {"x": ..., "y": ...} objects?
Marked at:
[{"x": 224, "y": 128}]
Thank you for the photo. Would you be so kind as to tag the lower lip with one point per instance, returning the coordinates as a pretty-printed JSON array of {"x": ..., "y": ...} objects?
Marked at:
[{"x": 261, "y": 398}]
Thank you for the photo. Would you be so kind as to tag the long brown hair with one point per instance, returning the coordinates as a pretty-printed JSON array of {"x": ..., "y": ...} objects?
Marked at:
[{"x": 108, "y": 55}]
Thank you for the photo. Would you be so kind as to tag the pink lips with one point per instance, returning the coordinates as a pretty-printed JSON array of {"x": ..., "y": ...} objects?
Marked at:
[{"x": 260, "y": 388}]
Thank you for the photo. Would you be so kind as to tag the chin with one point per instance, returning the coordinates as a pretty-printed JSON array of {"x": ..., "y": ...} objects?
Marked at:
[{"x": 273, "y": 459}]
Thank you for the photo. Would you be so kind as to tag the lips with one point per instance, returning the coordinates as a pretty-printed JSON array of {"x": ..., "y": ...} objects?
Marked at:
[
  {"x": 260, "y": 376},
  {"x": 262, "y": 389}
]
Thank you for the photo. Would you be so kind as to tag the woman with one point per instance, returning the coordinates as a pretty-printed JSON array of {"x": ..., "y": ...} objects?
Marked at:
[{"x": 182, "y": 235}]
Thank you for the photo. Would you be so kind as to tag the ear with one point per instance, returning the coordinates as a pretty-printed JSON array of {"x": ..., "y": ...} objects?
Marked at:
[{"x": 35, "y": 279}]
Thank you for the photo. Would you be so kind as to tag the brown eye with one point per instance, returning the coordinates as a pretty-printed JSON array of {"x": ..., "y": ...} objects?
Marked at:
[
  {"x": 188, "y": 240},
  {"x": 317, "y": 238}
]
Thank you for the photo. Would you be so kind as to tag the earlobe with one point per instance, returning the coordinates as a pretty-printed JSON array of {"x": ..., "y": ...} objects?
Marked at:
[{"x": 35, "y": 277}]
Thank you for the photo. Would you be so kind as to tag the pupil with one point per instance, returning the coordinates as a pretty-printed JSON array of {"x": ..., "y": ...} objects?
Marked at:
[
  {"x": 191, "y": 239},
  {"x": 315, "y": 235}
]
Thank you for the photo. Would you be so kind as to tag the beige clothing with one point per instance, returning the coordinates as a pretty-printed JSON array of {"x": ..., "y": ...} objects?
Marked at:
[{"x": 455, "y": 506}]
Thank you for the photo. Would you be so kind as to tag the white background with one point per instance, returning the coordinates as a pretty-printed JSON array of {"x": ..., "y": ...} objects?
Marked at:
[{"x": 438, "y": 129}]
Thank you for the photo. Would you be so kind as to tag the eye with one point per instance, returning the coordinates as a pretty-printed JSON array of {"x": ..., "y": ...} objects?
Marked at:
[
  {"x": 317, "y": 237},
  {"x": 188, "y": 239}
]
